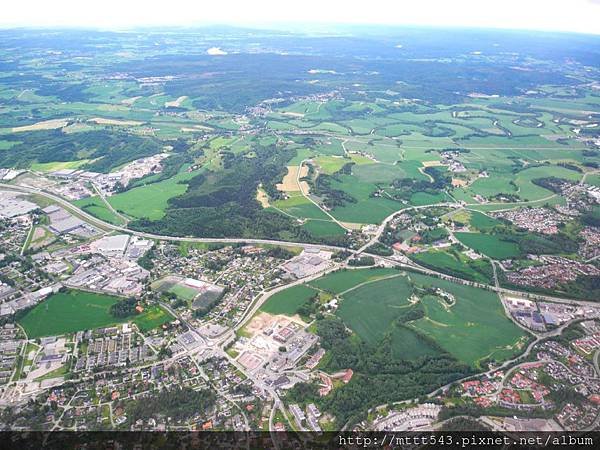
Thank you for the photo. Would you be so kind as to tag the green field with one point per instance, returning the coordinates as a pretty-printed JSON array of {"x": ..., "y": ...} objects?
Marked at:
[
  {"x": 490, "y": 245},
  {"x": 151, "y": 200},
  {"x": 460, "y": 266},
  {"x": 97, "y": 208},
  {"x": 72, "y": 311},
  {"x": 474, "y": 328},
  {"x": 370, "y": 310},
  {"x": 58, "y": 165},
  {"x": 342, "y": 280},
  {"x": 152, "y": 317},
  {"x": 68, "y": 312},
  {"x": 288, "y": 301}
]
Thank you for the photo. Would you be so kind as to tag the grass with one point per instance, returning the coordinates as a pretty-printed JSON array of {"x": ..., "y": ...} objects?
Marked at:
[
  {"x": 183, "y": 292},
  {"x": 97, "y": 208},
  {"x": 72, "y": 311},
  {"x": 152, "y": 317},
  {"x": 342, "y": 280},
  {"x": 323, "y": 228},
  {"x": 330, "y": 164},
  {"x": 370, "y": 309},
  {"x": 475, "y": 328},
  {"x": 69, "y": 312},
  {"x": 288, "y": 301},
  {"x": 481, "y": 221},
  {"x": 59, "y": 165},
  {"x": 408, "y": 344},
  {"x": 489, "y": 245},
  {"x": 151, "y": 200},
  {"x": 461, "y": 266}
]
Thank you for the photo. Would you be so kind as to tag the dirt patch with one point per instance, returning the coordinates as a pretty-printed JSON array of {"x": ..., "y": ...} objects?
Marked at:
[
  {"x": 259, "y": 322},
  {"x": 44, "y": 125},
  {"x": 457, "y": 182},
  {"x": 262, "y": 197}
]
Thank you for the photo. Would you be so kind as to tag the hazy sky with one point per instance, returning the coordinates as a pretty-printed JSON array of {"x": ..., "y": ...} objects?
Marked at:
[{"x": 559, "y": 15}]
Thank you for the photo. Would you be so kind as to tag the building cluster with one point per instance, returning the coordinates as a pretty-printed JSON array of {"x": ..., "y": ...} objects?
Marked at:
[
  {"x": 309, "y": 262},
  {"x": 416, "y": 418},
  {"x": 589, "y": 246},
  {"x": 112, "y": 347},
  {"x": 539, "y": 220},
  {"x": 551, "y": 272},
  {"x": 10, "y": 345},
  {"x": 308, "y": 417}
]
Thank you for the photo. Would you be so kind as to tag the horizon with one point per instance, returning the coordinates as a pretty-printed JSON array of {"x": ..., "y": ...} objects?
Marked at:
[{"x": 575, "y": 16}]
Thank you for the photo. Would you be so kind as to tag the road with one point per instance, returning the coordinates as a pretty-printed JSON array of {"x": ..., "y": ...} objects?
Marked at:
[{"x": 110, "y": 227}]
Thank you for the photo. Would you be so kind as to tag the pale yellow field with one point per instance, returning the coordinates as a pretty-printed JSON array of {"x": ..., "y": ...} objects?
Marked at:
[
  {"x": 289, "y": 182},
  {"x": 431, "y": 163},
  {"x": 125, "y": 123},
  {"x": 352, "y": 225},
  {"x": 176, "y": 103},
  {"x": 52, "y": 124},
  {"x": 130, "y": 101},
  {"x": 262, "y": 198},
  {"x": 457, "y": 182}
]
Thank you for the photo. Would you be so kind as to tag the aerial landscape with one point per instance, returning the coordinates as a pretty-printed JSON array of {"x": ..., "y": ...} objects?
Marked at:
[{"x": 228, "y": 228}]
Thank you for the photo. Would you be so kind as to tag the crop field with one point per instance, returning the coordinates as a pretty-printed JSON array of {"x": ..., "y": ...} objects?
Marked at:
[
  {"x": 68, "y": 312},
  {"x": 449, "y": 263},
  {"x": 370, "y": 310},
  {"x": 150, "y": 200},
  {"x": 474, "y": 328},
  {"x": 323, "y": 228},
  {"x": 490, "y": 245},
  {"x": 342, "y": 280},
  {"x": 288, "y": 301}
]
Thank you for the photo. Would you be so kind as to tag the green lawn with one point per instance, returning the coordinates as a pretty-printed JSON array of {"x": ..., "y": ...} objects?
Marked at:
[
  {"x": 490, "y": 245},
  {"x": 288, "y": 301}
]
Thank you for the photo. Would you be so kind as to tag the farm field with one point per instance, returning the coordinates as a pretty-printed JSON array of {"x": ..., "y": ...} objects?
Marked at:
[
  {"x": 151, "y": 200},
  {"x": 461, "y": 266},
  {"x": 370, "y": 309},
  {"x": 68, "y": 312},
  {"x": 288, "y": 301},
  {"x": 97, "y": 208},
  {"x": 490, "y": 245},
  {"x": 474, "y": 328},
  {"x": 342, "y": 280}
]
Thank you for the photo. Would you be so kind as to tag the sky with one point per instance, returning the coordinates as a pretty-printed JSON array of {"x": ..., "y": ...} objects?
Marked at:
[{"x": 581, "y": 16}]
